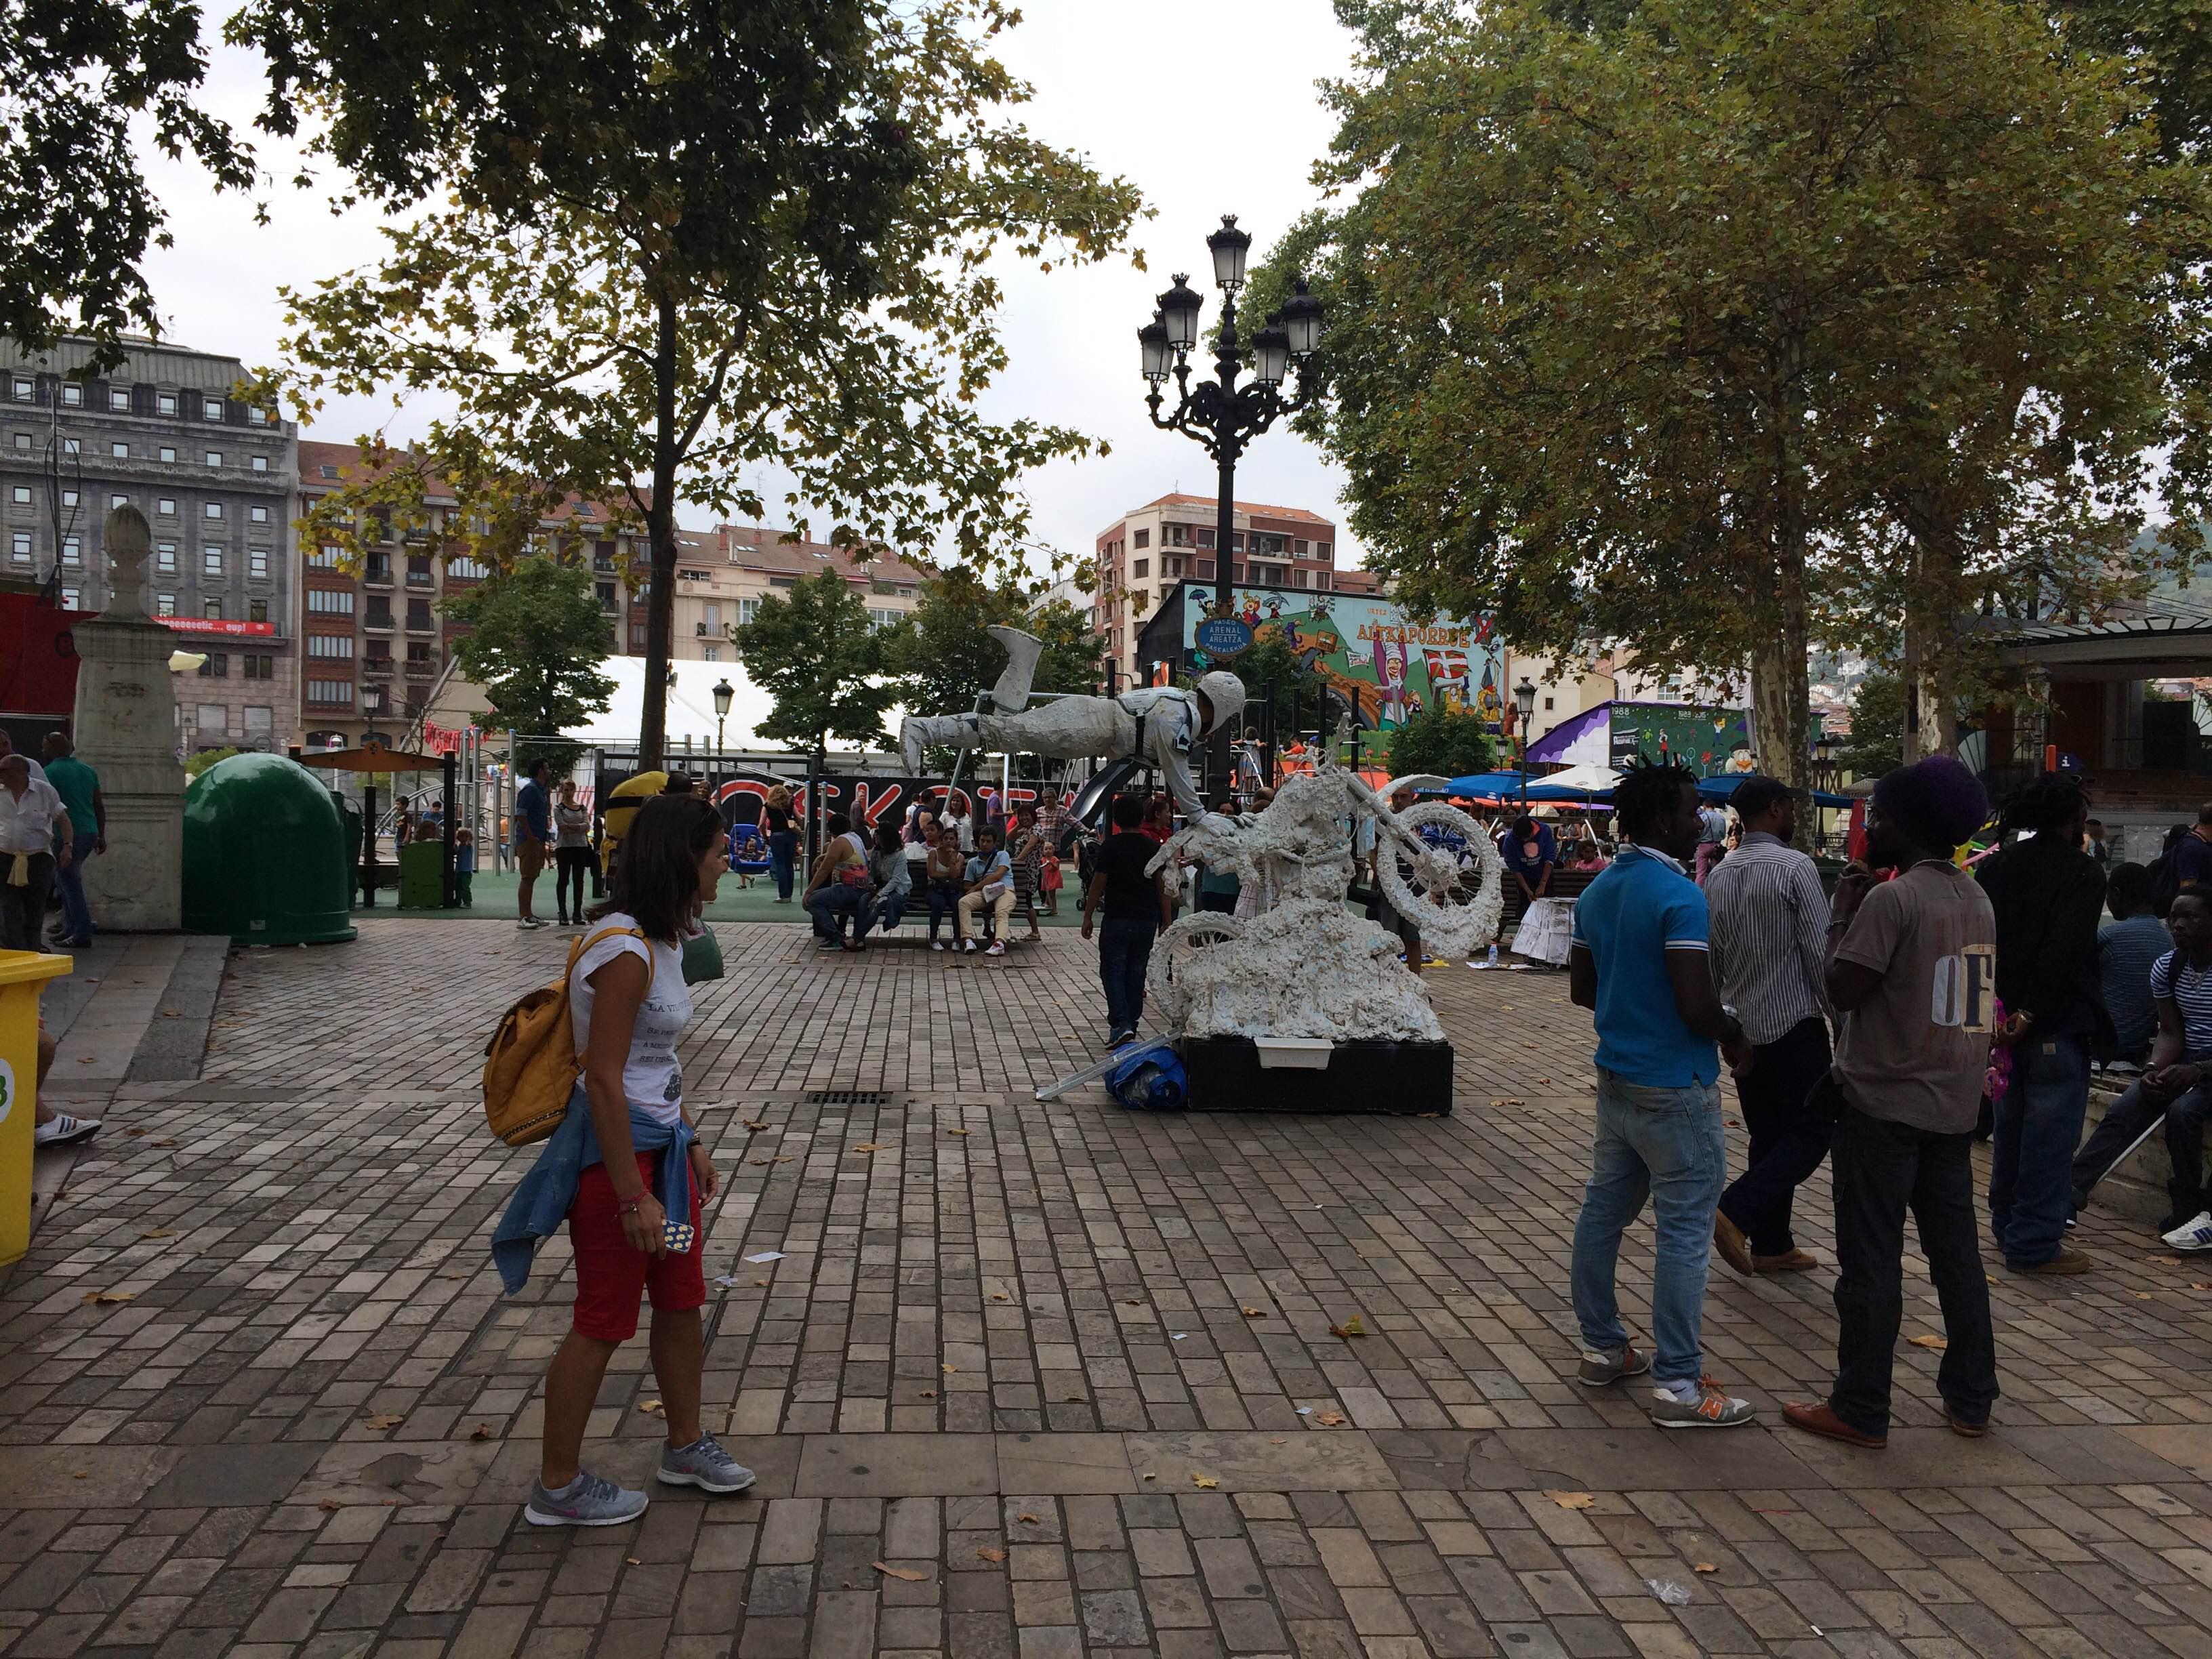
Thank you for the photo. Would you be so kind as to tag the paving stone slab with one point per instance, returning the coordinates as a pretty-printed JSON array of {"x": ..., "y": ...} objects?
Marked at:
[
  {"x": 1299, "y": 1461},
  {"x": 898, "y": 1466}
]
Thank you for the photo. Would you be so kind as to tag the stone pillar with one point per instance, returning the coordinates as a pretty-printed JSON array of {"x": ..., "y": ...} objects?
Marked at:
[{"x": 126, "y": 731}]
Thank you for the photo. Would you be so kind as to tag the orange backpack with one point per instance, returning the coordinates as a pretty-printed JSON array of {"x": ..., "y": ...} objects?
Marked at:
[{"x": 530, "y": 1066}]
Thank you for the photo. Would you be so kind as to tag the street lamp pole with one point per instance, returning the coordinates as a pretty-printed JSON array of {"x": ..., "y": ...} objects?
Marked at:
[
  {"x": 1222, "y": 417},
  {"x": 1524, "y": 701},
  {"x": 722, "y": 693}
]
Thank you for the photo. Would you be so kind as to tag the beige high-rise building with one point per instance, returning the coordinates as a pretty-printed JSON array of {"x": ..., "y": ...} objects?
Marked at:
[{"x": 1146, "y": 551}]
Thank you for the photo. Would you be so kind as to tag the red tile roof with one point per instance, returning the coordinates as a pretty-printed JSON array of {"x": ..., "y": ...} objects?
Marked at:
[
  {"x": 1254, "y": 508},
  {"x": 753, "y": 547}
]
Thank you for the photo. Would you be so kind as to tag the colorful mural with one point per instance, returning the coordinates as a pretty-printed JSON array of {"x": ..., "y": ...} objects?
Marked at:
[
  {"x": 1366, "y": 651},
  {"x": 1710, "y": 742}
]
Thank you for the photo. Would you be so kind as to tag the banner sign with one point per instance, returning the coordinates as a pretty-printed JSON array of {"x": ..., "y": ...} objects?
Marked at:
[
  {"x": 1710, "y": 742},
  {"x": 216, "y": 625}
]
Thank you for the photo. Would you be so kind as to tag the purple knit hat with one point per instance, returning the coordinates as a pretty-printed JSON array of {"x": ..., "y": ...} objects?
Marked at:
[{"x": 1936, "y": 801}]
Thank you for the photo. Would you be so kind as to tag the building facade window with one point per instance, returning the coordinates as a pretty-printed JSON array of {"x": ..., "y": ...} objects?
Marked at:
[
  {"x": 260, "y": 463},
  {"x": 259, "y": 723},
  {"x": 23, "y": 494},
  {"x": 258, "y": 515},
  {"x": 257, "y": 562},
  {"x": 747, "y": 610},
  {"x": 329, "y": 602},
  {"x": 326, "y": 558},
  {"x": 339, "y": 692},
  {"x": 69, "y": 596},
  {"x": 169, "y": 455},
  {"x": 167, "y": 402},
  {"x": 211, "y": 408},
  {"x": 164, "y": 605},
  {"x": 72, "y": 549},
  {"x": 211, "y": 609},
  {"x": 330, "y": 645},
  {"x": 216, "y": 668},
  {"x": 165, "y": 556},
  {"x": 210, "y": 509},
  {"x": 72, "y": 395},
  {"x": 20, "y": 547},
  {"x": 211, "y": 561},
  {"x": 215, "y": 458},
  {"x": 418, "y": 616},
  {"x": 120, "y": 452},
  {"x": 1140, "y": 569},
  {"x": 711, "y": 653},
  {"x": 256, "y": 610}
]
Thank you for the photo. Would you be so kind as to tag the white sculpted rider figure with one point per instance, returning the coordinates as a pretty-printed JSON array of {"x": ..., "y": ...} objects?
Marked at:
[{"x": 1157, "y": 724}]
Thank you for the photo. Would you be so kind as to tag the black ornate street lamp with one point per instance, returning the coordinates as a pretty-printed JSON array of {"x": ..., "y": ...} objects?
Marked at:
[
  {"x": 1220, "y": 414},
  {"x": 1524, "y": 701}
]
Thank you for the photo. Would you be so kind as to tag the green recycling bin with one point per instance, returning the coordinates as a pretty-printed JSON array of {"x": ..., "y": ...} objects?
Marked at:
[
  {"x": 421, "y": 887},
  {"x": 265, "y": 855}
]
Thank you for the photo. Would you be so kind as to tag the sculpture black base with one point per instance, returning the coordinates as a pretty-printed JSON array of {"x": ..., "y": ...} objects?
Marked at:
[{"x": 1366, "y": 1076}]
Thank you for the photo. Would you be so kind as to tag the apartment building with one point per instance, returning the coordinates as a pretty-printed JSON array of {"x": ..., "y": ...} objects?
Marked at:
[
  {"x": 1149, "y": 549},
  {"x": 723, "y": 574},
  {"x": 215, "y": 477},
  {"x": 373, "y": 641}
]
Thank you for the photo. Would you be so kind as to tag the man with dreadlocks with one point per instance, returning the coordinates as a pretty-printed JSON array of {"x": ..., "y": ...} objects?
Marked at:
[
  {"x": 1638, "y": 961},
  {"x": 2049, "y": 897}
]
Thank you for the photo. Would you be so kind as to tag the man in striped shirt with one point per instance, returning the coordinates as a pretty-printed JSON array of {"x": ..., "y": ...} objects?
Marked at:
[{"x": 1769, "y": 927}]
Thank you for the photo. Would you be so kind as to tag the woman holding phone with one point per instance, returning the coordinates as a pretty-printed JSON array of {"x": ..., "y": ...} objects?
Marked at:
[{"x": 622, "y": 1166}]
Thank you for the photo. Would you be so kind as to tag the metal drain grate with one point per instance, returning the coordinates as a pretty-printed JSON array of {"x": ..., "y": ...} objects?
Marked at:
[{"x": 848, "y": 1097}]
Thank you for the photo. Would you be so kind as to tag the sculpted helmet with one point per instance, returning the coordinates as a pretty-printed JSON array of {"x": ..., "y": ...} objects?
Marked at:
[{"x": 1225, "y": 697}]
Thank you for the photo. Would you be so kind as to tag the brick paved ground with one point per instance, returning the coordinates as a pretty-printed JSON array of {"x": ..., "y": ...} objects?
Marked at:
[{"x": 1007, "y": 1357}]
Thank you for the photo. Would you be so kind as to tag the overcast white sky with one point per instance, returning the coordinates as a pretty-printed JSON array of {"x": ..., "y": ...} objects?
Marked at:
[{"x": 1208, "y": 105}]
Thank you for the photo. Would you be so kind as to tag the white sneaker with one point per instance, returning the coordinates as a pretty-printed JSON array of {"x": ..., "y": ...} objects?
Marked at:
[
  {"x": 968, "y": 947},
  {"x": 2193, "y": 1234},
  {"x": 997, "y": 948},
  {"x": 61, "y": 1129},
  {"x": 937, "y": 944}
]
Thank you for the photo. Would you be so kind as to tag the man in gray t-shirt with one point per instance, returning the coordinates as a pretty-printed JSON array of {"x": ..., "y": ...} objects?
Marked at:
[{"x": 1912, "y": 972}]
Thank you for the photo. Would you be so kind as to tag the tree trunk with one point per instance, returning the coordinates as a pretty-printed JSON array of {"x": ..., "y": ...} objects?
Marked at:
[
  {"x": 1781, "y": 700},
  {"x": 1932, "y": 630},
  {"x": 660, "y": 530}
]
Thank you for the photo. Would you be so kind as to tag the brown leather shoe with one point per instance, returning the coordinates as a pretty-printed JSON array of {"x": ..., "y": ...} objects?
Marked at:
[
  {"x": 1789, "y": 1262},
  {"x": 1820, "y": 1418},
  {"x": 1960, "y": 1425},
  {"x": 2065, "y": 1262},
  {"x": 1729, "y": 1240}
]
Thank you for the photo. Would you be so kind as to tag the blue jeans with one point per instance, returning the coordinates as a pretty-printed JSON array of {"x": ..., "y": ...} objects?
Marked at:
[
  {"x": 889, "y": 910},
  {"x": 831, "y": 903},
  {"x": 2039, "y": 1125},
  {"x": 943, "y": 896},
  {"x": 77, "y": 914},
  {"x": 1665, "y": 1144},
  {"x": 1125, "y": 951},
  {"x": 782, "y": 850}
]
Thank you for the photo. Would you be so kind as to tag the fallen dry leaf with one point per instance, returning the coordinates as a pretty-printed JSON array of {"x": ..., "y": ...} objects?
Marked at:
[
  {"x": 652, "y": 1408},
  {"x": 906, "y": 1573},
  {"x": 869, "y": 1146},
  {"x": 1329, "y": 1419},
  {"x": 1350, "y": 1328},
  {"x": 633, "y": 1560},
  {"x": 2142, "y": 1295},
  {"x": 158, "y": 1232},
  {"x": 1428, "y": 1115},
  {"x": 1508, "y": 1100},
  {"x": 481, "y": 1431},
  {"x": 1204, "y": 1482},
  {"x": 948, "y": 1370},
  {"x": 2164, "y": 1260},
  {"x": 387, "y": 1419},
  {"x": 1254, "y": 1313},
  {"x": 760, "y": 1281},
  {"x": 81, "y": 1474},
  {"x": 987, "y": 1553},
  {"x": 1132, "y": 1302},
  {"x": 1571, "y": 1500},
  {"x": 1148, "y": 1476},
  {"x": 100, "y": 1298},
  {"x": 1031, "y": 1519},
  {"x": 754, "y": 1125},
  {"x": 1924, "y": 1341},
  {"x": 169, "y": 1013},
  {"x": 929, "y": 1394},
  {"x": 329, "y": 1504},
  {"x": 2194, "y": 1286},
  {"x": 165, "y": 1143},
  {"x": 1543, "y": 1079},
  {"x": 1704, "y": 1566},
  {"x": 999, "y": 1295},
  {"x": 134, "y": 1132},
  {"x": 957, "y": 1132}
]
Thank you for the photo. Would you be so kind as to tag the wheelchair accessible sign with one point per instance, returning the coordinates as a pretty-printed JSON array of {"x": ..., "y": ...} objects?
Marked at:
[{"x": 1224, "y": 636}]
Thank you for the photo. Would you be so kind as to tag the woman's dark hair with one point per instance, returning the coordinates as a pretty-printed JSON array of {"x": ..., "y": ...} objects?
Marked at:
[
  {"x": 1647, "y": 792},
  {"x": 887, "y": 839},
  {"x": 837, "y": 825},
  {"x": 2050, "y": 802},
  {"x": 657, "y": 877},
  {"x": 2127, "y": 889}
]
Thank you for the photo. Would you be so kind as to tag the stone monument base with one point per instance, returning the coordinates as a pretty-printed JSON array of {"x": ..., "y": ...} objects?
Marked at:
[{"x": 1361, "y": 1075}]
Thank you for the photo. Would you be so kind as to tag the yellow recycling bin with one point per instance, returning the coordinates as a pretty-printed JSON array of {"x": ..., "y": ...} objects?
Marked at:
[{"x": 23, "y": 975}]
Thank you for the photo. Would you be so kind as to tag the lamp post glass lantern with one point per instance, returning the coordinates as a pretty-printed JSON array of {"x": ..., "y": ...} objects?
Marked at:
[
  {"x": 1221, "y": 415},
  {"x": 1524, "y": 701}
]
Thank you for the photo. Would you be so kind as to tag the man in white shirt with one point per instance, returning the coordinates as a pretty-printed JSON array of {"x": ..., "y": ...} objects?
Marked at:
[{"x": 29, "y": 808}]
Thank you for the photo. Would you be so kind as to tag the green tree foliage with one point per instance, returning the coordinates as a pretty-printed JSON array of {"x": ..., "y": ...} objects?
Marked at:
[
  {"x": 1666, "y": 326},
  {"x": 943, "y": 657},
  {"x": 1446, "y": 741},
  {"x": 83, "y": 79},
  {"x": 197, "y": 763},
  {"x": 1876, "y": 744},
  {"x": 657, "y": 247},
  {"x": 537, "y": 636},
  {"x": 2167, "y": 46},
  {"x": 825, "y": 665}
]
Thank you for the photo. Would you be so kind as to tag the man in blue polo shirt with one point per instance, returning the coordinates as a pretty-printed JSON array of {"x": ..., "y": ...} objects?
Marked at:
[{"x": 1638, "y": 961}]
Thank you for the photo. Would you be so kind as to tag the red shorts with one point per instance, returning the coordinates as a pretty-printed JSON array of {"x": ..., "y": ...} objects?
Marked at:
[{"x": 611, "y": 1276}]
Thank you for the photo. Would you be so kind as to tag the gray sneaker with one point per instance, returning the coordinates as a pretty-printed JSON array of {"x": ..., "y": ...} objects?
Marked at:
[
  {"x": 704, "y": 1464},
  {"x": 589, "y": 1501},
  {"x": 1599, "y": 1370},
  {"x": 1712, "y": 1409}
]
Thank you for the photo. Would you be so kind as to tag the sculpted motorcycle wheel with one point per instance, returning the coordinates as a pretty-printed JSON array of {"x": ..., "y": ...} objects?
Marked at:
[
  {"x": 1173, "y": 952},
  {"x": 1454, "y": 887}
]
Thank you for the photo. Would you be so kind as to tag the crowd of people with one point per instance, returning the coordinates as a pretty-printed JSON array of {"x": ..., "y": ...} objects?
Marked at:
[{"x": 1881, "y": 1029}]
